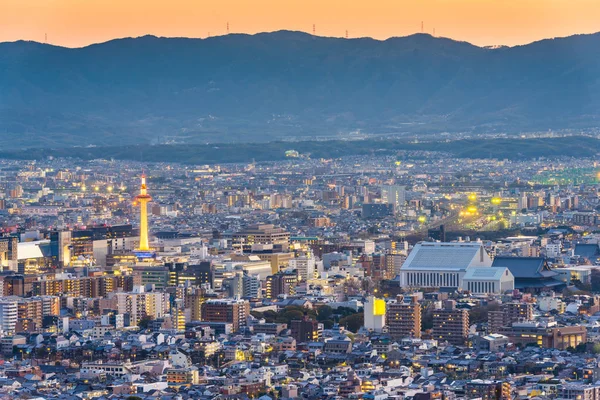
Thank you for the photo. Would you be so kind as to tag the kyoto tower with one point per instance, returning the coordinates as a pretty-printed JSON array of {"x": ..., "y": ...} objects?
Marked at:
[{"x": 143, "y": 198}]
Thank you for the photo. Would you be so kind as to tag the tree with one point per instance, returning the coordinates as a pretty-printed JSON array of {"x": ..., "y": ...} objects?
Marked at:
[
  {"x": 291, "y": 315},
  {"x": 324, "y": 313},
  {"x": 353, "y": 322},
  {"x": 427, "y": 319},
  {"x": 145, "y": 322},
  {"x": 480, "y": 314},
  {"x": 327, "y": 324}
]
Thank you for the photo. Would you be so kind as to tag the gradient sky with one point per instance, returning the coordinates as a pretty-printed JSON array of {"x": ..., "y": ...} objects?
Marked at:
[{"x": 76, "y": 23}]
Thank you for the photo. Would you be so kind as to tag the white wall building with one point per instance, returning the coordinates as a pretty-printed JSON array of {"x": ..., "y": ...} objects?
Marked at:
[
  {"x": 553, "y": 250},
  {"x": 374, "y": 314},
  {"x": 8, "y": 317},
  {"x": 488, "y": 280},
  {"x": 305, "y": 265},
  {"x": 434, "y": 264}
]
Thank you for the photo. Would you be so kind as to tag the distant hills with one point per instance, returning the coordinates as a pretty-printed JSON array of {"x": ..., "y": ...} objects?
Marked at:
[{"x": 281, "y": 85}]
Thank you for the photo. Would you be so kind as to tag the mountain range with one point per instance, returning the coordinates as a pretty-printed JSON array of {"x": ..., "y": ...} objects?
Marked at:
[{"x": 290, "y": 85}]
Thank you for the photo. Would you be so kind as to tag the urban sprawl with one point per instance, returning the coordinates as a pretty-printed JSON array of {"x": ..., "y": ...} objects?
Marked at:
[{"x": 418, "y": 277}]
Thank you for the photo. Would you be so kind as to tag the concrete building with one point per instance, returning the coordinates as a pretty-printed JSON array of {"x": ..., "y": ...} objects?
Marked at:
[
  {"x": 432, "y": 264},
  {"x": 374, "y": 314},
  {"x": 377, "y": 210},
  {"x": 306, "y": 330},
  {"x": 403, "y": 319},
  {"x": 281, "y": 284},
  {"x": 489, "y": 390},
  {"x": 8, "y": 316},
  {"x": 9, "y": 253},
  {"x": 451, "y": 324},
  {"x": 491, "y": 343},
  {"x": 393, "y": 194},
  {"x": 263, "y": 234},
  {"x": 305, "y": 266},
  {"x": 141, "y": 305},
  {"x": 508, "y": 314},
  {"x": 546, "y": 334},
  {"x": 235, "y": 312},
  {"x": 488, "y": 280},
  {"x": 577, "y": 391}
]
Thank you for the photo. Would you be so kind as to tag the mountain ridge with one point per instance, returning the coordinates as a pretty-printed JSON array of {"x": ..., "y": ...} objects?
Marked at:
[{"x": 284, "y": 84}]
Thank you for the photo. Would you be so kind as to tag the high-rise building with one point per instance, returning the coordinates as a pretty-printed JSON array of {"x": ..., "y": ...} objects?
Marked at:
[
  {"x": 140, "y": 305},
  {"x": 508, "y": 314},
  {"x": 305, "y": 265},
  {"x": 451, "y": 324},
  {"x": 9, "y": 253},
  {"x": 281, "y": 283},
  {"x": 235, "y": 312},
  {"x": 374, "y": 314},
  {"x": 30, "y": 310},
  {"x": 403, "y": 319},
  {"x": 393, "y": 194},
  {"x": 234, "y": 285},
  {"x": 306, "y": 330},
  {"x": 242, "y": 285},
  {"x": 8, "y": 316},
  {"x": 251, "y": 286}
]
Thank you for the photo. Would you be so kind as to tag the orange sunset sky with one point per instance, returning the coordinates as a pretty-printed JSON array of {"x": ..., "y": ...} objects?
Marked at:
[{"x": 76, "y": 23}]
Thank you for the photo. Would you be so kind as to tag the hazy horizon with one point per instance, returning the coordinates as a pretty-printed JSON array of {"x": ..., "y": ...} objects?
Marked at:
[
  {"x": 72, "y": 23},
  {"x": 289, "y": 30}
]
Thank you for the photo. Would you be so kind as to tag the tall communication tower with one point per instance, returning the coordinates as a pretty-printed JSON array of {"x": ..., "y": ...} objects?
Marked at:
[
  {"x": 346, "y": 33},
  {"x": 314, "y": 30},
  {"x": 143, "y": 199},
  {"x": 228, "y": 28},
  {"x": 45, "y": 37},
  {"x": 422, "y": 27}
]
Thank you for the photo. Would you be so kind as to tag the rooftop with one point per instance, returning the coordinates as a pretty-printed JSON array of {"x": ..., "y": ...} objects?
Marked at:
[{"x": 447, "y": 256}]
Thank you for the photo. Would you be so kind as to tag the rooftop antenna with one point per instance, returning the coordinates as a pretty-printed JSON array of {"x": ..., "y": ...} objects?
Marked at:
[{"x": 314, "y": 30}]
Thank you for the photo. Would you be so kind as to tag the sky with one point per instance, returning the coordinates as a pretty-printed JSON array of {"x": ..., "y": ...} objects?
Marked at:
[{"x": 76, "y": 23}]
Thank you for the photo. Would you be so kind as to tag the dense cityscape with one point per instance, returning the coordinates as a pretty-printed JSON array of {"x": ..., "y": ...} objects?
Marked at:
[{"x": 418, "y": 276}]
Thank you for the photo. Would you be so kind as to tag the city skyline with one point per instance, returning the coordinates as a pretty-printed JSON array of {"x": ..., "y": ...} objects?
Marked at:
[{"x": 490, "y": 22}]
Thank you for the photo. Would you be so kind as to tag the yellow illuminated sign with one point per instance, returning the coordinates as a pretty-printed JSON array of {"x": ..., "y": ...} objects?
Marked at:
[{"x": 378, "y": 307}]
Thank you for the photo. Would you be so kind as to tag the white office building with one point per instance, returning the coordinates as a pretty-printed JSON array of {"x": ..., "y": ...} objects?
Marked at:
[
  {"x": 8, "y": 317},
  {"x": 305, "y": 265},
  {"x": 434, "y": 264},
  {"x": 393, "y": 194},
  {"x": 553, "y": 250}
]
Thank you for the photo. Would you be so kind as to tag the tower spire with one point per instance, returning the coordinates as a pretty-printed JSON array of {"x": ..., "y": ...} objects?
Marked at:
[{"x": 143, "y": 199}]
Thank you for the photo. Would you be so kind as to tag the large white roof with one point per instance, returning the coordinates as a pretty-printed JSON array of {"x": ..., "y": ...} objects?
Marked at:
[
  {"x": 446, "y": 256},
  {"x": 486, "y": 274},
  {"x": 28, "y": 250}
]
